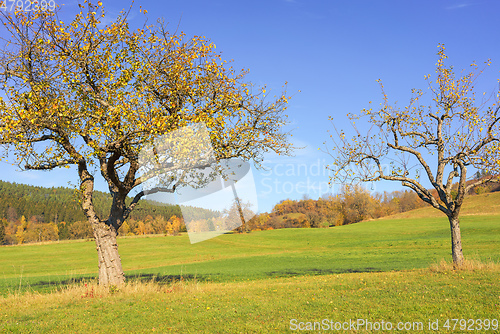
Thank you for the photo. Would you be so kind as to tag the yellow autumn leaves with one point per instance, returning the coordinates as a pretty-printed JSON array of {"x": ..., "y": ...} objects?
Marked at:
[{"x": 108, "y": 84}]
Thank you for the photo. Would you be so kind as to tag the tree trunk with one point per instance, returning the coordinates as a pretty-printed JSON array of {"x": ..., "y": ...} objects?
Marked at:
[
  {"x": 110, "y": 265},
  {"x": 456, "y": 242},
  {"x": 243, "y": 228}
]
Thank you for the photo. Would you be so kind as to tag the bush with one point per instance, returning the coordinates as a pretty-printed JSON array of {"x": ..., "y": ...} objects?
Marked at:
[{"x": 80, "y": 230}]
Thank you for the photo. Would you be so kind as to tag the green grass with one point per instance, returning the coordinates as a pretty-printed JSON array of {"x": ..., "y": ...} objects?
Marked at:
[
  {"x": 259, "y": 306},
  {"x": 380, "y": 245},
  {"x": 484, "y": 204},
  {"x": 256, "y": 282}
]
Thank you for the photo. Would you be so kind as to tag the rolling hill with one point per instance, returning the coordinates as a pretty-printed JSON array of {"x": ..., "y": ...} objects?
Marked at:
[{"x": 484, "y": 204}]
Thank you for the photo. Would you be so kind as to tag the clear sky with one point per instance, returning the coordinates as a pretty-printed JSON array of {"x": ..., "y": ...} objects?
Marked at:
[{"x": 333, "y": 52}]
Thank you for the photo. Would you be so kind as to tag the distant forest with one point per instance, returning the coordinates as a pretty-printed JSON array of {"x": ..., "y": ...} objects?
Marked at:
[{"x": 32, "y": 214}]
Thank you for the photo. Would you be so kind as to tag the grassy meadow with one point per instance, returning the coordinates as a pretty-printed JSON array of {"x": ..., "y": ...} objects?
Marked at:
[
  {"x": 258, "y": 282},
  {"x": 260, "y": 306}
]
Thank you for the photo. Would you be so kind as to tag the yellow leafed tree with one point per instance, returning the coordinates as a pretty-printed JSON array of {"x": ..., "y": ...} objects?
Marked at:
[
  {"x": 92, "y": 95},
  {"x": 173, "y": 225}
]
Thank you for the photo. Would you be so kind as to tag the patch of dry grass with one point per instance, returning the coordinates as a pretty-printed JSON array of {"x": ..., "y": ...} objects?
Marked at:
[
  {"x": 468, "y": 265},
  {"x": 92, "y": 290}
]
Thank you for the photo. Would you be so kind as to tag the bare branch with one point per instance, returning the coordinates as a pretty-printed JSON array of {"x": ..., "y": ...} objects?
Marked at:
[
  {"x": 480, "y": 182},
  {"x": 52, "y": 164}
]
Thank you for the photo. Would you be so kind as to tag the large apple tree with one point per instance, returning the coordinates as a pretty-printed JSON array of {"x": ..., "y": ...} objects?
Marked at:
[{"x": 92, "y": 95}]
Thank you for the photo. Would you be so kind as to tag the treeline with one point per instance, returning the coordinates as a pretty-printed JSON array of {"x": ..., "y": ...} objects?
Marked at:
[
  {"x": 62, "y": 204},
  {"x": 353, "y": 204},
  {"x": 35, "y": 214},
  {"x": 27, "y": 231}
]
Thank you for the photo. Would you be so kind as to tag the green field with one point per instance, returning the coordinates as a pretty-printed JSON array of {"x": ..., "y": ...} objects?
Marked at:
[
  {"x": 261, "y": 306},
  {"x": 256, "y": 282},
  {"x": 380, "y": 245}
]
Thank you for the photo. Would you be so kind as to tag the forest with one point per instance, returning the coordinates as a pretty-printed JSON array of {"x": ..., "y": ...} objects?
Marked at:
[{"x": 35, "y": 214}]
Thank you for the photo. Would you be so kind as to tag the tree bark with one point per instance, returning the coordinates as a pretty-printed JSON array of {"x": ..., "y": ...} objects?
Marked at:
[
  {"x": 110, "y": 265},
  {"x": 243, "y": 228},
  {"x": 456, "y": 242}
]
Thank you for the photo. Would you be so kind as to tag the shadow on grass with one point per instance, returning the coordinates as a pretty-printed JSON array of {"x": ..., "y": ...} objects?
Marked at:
[
  {"x": 144, "y": 278},
  {"x": 163, "y": 279},
  {"x": 316, "y": 271},
  {"x": 166, "y": 279},
  {"x": 62, "y": 283},
  {"x": 46, "y": 286}
]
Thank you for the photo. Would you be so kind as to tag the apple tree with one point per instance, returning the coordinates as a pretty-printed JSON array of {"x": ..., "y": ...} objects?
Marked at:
[
  {"x": 91, "y": 94},
  {"x": 440, "y": 141}
]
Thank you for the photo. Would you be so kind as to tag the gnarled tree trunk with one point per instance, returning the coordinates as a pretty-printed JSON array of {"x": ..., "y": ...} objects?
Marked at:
[
  {"x": 456, "y": 242},
  {"x": 110, "y": 265}
]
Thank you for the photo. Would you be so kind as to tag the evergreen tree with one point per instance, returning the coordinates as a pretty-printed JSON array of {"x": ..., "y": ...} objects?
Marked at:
[{"x": 2, "y": 234}]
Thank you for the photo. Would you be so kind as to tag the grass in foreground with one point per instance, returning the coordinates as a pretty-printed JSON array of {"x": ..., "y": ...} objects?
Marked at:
[{"x": 261, "y": 306}]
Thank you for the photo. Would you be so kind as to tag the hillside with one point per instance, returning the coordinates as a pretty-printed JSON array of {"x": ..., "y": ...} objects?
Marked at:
[
  {"x": 484, "y": 204},
  {"x": 34, "y": 214},
  {"x": 354, "y": 204},
  {"x": 61, "y": 204}
]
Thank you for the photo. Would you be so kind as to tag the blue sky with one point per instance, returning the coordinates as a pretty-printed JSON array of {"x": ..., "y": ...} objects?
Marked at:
[{"x": 333, "y": 52}]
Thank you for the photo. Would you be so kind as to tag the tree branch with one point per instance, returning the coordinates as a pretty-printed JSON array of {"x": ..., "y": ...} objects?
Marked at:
[
  {"x": 51, "y": 165},
  {"x": 492, "y": 179},
  {"x": 143, "y": 193}
]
